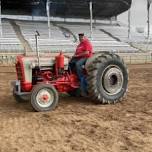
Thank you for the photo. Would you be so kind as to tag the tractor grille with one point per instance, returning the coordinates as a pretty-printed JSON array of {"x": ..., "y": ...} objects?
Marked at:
[{"x": 19, "y": 72}]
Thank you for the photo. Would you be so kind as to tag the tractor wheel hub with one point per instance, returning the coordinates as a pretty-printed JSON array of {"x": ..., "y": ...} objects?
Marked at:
[
  {"x": 112, "y": 80},
  {"x": 44, "y": 98}
]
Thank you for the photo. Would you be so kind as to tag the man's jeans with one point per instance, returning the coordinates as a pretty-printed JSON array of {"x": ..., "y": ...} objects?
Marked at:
[{"x": 78, "y": 64}]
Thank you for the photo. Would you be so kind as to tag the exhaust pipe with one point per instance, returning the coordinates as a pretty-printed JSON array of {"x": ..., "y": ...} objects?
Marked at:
[{"x": 37, "y": 50}]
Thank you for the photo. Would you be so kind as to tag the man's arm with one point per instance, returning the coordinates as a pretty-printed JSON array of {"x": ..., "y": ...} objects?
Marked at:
[
  {"x": 67, "y": 56},
  {"x": 82, "y": 54}
]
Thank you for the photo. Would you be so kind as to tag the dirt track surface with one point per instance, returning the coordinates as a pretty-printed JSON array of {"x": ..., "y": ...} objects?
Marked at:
[{"x": 77, "y": 125}]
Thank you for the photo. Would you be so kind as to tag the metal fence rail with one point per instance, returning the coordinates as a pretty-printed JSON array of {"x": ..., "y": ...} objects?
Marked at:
[
  {"x": 137, "y": 58},
  {"x": 8, "y": 59}
]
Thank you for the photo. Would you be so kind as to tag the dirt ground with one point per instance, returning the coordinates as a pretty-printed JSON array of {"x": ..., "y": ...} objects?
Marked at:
[{"x": 77, "y": 125}]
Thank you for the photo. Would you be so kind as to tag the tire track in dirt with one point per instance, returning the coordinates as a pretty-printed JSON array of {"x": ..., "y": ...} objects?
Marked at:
[{"x": 79, "y": 125}]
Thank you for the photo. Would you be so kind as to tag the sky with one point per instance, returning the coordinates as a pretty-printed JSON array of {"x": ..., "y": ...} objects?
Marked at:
[{"x": 138, "y": 14}]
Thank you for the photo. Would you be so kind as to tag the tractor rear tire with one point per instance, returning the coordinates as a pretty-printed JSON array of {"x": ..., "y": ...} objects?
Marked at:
[
  {"x": 44, "y": 97},
  {"x": 107, "y": 79}
]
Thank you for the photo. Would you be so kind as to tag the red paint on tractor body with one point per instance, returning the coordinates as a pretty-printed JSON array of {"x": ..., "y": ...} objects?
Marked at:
[
  {"x": 60, "y": 61},
  {"x": 63, "y": 80},
  {"x": 25, "y": 85},
  {"x": 66, "y": 83}
]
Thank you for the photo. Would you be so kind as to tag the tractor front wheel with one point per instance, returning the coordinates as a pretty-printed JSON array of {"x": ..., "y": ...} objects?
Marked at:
[{"x": 44, "y": 97}]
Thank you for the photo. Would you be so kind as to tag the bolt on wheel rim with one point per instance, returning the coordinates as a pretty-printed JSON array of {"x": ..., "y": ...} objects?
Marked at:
[
  {"x": 45, "y": 98},
  {"x": 112, "y": 80}
]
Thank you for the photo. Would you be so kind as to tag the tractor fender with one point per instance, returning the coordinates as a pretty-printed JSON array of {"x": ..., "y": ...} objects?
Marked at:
[{"x": 94, "y": 57}]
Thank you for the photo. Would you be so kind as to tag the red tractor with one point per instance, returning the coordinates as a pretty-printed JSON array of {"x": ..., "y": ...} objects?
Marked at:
[{"x": 40, "y": 80}]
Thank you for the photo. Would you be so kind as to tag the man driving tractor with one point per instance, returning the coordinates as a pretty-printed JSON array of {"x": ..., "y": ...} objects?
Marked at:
[{"x": 83, "y": 51}]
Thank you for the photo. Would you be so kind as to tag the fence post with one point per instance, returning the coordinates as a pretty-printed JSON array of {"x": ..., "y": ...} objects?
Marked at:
[
  {"x": 91, "y": 18},
  {"x": 48, "y": 16},
  {"x": 1, "y": 32},
  {"x": 129, "y": 23},
  {"x": 145, "y": 59}
]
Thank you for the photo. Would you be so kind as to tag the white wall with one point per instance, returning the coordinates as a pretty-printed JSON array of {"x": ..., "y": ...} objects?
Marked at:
[{"x": 138, "y": 14}]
